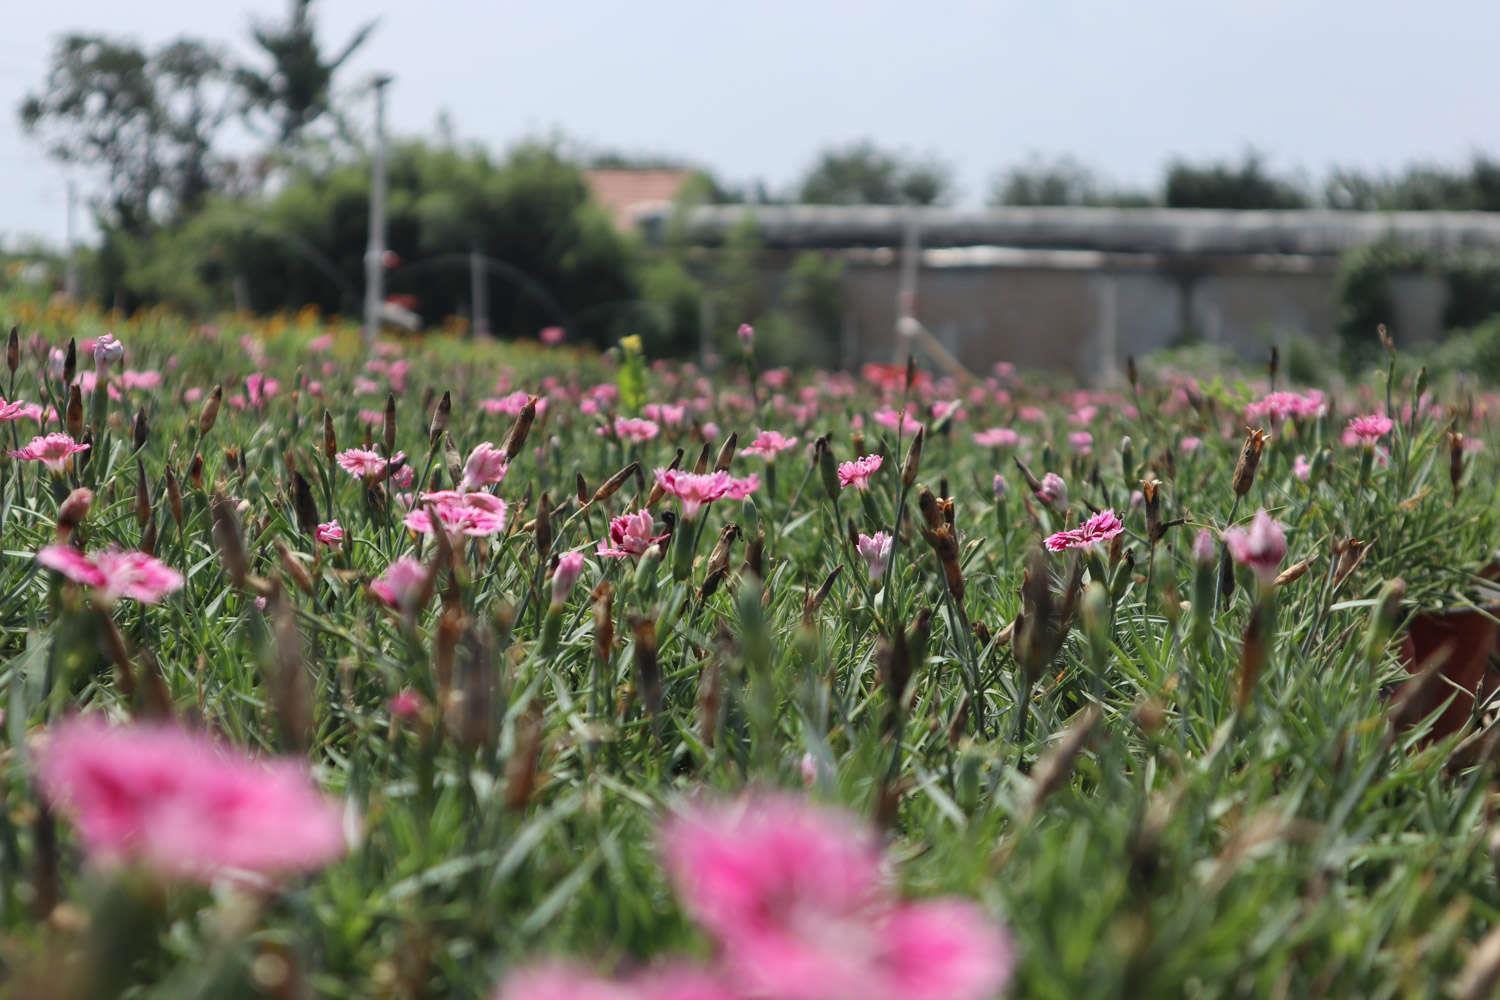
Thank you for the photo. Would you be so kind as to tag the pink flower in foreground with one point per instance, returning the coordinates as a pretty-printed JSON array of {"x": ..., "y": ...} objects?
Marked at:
[
  {"x": 769, "y": 444},
  {"x": 55, "y": 450},
  {"x": 858, "y": 472},
  {"x": 875, "y": 550},
  {"x": 630, "y": 535},
  {"x": 1367, "y": 430},
  {"x": 330, "y": 533},
  {"x": 997, "y": 437},
  {"x": 1100, "y": 528},
  {"x": 1262, "y": 546},
  {"x": 798, "y": 900},
  {"x": 362, "y": 463},
  {"x": 694, "y": 489},
  {"x": 183, "y": 805},
  {"x": 486, "y": 465},
  {"x": 401, "y": 583},
  {"x": 14, "y": 410},
  {"x": 113, "y": 573},
  {"x": 557, "y": 981}
]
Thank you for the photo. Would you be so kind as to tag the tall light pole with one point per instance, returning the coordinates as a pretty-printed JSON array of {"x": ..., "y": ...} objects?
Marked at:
[{"x": 375, "y": 249}]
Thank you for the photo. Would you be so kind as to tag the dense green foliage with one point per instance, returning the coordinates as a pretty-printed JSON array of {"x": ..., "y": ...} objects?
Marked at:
[{"x": 1298, "y": 844}]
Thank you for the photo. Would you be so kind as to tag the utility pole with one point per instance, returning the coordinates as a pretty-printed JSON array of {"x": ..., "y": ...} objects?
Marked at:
[
  {"x": 375, "y": 250},
  {"x": 479, "y": 294}
]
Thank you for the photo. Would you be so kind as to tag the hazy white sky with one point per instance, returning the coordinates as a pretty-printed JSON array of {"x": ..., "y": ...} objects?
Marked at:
[{"x": 753, "y": 89}]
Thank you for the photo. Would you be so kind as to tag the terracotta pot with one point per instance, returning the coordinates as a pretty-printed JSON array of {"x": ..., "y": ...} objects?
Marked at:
[{"x": 1470, "y": 639}]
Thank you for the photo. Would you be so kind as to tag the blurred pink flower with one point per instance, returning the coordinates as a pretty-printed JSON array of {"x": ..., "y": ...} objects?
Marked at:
[
  {"x": 330, "y": 533},
  {"x": 1082, "y": 442},
  {"x": 630, "y": 535},
  {"x": 888, "y": 417},
  {"x": 1302, "y": 468},
  {"x": 113, "y": 573},
  {"x": 1278, "y": 406},
  {"x": 997, "y": 437},
  {"x": 556, "y": 981},
  {"x": 1053, "y": 492},
  {"x": 1190, "y": 444},
  {"x": 798, "y": 899},
  {"x": 552, "y": 335},
  {"x": 406, "y": 705},
  {"x": 183, "y": 805},
  {"x": 858, "y": 472},
  {"x": 769, "y": 444},
  {"x": 634, "y": 429},
  {"x": 401, "y": 583},
  {"x": 477, "y": 515},
  {"x": 54, "y": 450},
  {"x": 667, "y": 414},
  {"x": 1261, "y": 547}
]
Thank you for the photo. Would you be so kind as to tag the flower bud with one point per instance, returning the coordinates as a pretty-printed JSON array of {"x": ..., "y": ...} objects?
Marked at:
[{"x": 565, "y": 575}]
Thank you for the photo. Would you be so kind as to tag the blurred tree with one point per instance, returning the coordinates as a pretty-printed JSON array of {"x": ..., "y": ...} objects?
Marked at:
[
  {"x": 1247, "y": 185},
  {"x": 864, "y": 174},
  {"x": 1419, "y": 188},
  {"x": 294, "y": 91},
  {"x": 146, "y": 123},
  {"x": 1062, "y": 181}
]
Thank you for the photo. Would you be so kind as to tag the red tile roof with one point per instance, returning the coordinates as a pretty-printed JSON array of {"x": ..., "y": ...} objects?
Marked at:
[{"x": 623, "y": 193}]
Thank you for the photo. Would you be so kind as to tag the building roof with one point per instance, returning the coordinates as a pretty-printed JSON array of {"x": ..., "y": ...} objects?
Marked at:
[
  {"x": 626, "y": 194},
  {"x": 1184, "y": 231}
]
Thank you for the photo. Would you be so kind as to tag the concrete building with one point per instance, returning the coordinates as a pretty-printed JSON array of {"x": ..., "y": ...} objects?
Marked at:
[{"x": 1081, "y": 288}]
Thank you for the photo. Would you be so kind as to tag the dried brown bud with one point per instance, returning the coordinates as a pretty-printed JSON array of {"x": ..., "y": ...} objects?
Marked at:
[
  {"x": 330, "y": 439},
  {"x": 727, "y": 452},
  {"x": 521, "y": 768},
  {"x": 231, "y": 540},
  {"x": 195, "y": 472},
  {"x": 814, "y": 600},
  {"x": 440, "y": 419},
  {"x": 140, "y": 430},
  {"x": 1250, "y": 451},
  {"x": 388, "y": 424},
  {"x": 515, "y": 440},
  {"x": 718, "y": 560},
  {"x": 209, "y": 415},
  {"x": 304, "y": 506},
  {"x": 612, "y": 485},
  {"x": 542, "y": 530},
  {"x": 604, "y": 626},
  {"x": 142, "y": 495},
  {"x": 647, "y": 669},
  {"x": 13, "y": 350},
  {"x": 73, "y": 420},
  {"x": 70, "y": 362},
  {"x": 913, "y": 461},
  {"x": 1455, "y": 461},
  {"x": 701, "y": 465},
  {"x": 72, "y": 512}
]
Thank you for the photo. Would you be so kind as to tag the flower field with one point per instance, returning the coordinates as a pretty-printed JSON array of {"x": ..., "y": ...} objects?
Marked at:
[{"x": 518, "y": 671}]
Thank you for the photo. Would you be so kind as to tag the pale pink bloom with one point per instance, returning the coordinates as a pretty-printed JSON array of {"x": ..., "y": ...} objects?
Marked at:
[
  {"x": 1367, "y": 430},
  {"x": 371, "y": 418},
  {"x": 192, "y": 395},
  {"x": 1136, "y": 499},
  {"x": 739, "y": 489},
  {"x": 710, "y": 430},
  {"x": 858, "y": 472},
  {"x": 999, "y": 486},
  {"x": 552, "y": 335},
  {"x": 769, "y": 444},
  {"x": 1100, "y": 528},
  {"x": 798, "y": 900},
  {"x": 746, "y": 333},
  {"x": 147, "y": 381},
  {"x": 1084, "y": 415},
  {"x": 1054, "y": 491},
  {"x": 694, "y": 489},
  {"x": 485, "y": 466},
  {"x": 1190, "y": 444},
  {"x": 888, "y": 417},
  {"x": 107, "y": 351},
  {"x": 330, "y": 533},
  {"x": 1082, "y": 442},
  {"x": 1261, "y": 547},
  {"x": 635, "y": 430},
  {"x": 322, "y": 342},
  {"x": 401, "y": 582},
  {"x": 57, "y": 360},
  {"x": 512, "y": 404},
  {"x": 367, "y": 387},
  {"x": 1032, "y": 414},
  {"x": 569, "y": 568},
  {"x": 875, "y": 550},
  {"x": 362, "y": 463},
  {"x": 55, "y": 450},
  {"x": 1203, "y": 548},
  {"x": 260, "y": 388},
  {"x": 808, "y": 765},
  {"x": 1302, "y": 468},
  {"x": 630, "y": 535},
  {"x": 113, "y": 573},
  {"x": 997, "y": 437},
  {"x": 183, "y": 805}
]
